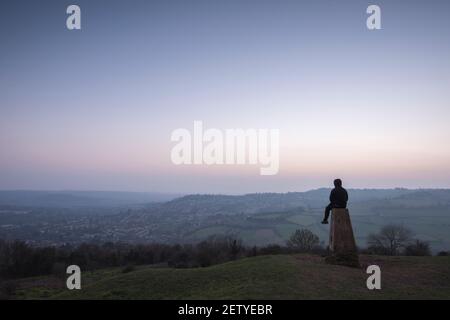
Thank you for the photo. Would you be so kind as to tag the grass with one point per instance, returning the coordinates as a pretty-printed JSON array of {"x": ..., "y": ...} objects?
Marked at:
[{"x": 264, "y": 277}]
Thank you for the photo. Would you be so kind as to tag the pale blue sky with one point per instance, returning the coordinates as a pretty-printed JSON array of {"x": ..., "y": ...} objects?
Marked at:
[{"x": 94, "y": 109}]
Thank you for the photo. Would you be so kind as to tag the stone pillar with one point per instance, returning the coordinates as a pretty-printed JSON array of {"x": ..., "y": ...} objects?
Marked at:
[{"x": 342, "y": 241}]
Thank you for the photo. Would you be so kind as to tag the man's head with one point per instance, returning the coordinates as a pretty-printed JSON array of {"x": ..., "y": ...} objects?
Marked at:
[{"x": 338, "y": 183}]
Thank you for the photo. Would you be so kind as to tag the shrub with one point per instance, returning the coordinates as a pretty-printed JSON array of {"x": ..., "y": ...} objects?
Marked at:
[
  {"x": 418, "y": 248},
  {"x": 303, "y": 240},
  {"x": 271, "y": 249},
  {"x": 7, "y": 290},
  {"x": 389, "y": 240},
  {"x": 129, "y": 268}
]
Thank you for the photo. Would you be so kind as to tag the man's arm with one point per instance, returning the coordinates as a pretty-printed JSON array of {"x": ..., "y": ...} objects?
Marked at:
[{"x": 332, "y": 196}]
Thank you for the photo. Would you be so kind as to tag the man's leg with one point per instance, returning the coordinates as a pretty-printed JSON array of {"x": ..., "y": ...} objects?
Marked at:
[{"x": 327, "y": 213}]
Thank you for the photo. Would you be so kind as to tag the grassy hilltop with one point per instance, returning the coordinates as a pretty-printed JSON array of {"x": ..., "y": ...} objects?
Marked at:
[{"x": 263, "y": 277}]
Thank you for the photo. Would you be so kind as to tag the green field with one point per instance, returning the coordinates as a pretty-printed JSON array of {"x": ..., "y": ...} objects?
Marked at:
[
  {"x": 264, "y": 277},
  {"x": 276, "y": 228}
]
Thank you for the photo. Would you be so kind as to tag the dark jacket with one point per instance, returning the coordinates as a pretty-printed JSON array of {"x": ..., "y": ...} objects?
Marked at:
[{"x": 339, "y": 198}]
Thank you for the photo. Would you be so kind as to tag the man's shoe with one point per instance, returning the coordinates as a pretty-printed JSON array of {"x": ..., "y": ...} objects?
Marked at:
[{"x": 324, "y": 222}]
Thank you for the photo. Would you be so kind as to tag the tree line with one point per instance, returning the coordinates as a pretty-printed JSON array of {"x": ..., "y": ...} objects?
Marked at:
[{"x": 18, "y": 259}]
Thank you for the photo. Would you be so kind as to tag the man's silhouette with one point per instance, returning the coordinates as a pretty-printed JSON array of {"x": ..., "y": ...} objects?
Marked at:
[{"x": 338, "y": 199}]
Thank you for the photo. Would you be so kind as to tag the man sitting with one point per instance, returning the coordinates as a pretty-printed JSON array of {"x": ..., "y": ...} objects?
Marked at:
[{"x": 338, "y": 199}]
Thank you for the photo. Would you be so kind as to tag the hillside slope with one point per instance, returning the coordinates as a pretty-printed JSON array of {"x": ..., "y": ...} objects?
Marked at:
[{"x": 269, "y": 277}]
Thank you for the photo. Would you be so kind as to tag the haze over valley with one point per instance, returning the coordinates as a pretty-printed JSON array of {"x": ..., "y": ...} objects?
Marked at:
[{"x": 70, "y": 217}]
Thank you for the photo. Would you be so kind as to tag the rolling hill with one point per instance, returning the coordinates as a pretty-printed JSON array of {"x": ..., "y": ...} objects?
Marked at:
[
  {"x": 264, "y": 277},
  {"x": 258, "y": 219}
]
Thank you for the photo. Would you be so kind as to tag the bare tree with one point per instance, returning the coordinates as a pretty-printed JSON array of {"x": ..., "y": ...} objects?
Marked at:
[
  {"x": 389, "y": 240},
  {"x": 418, "y": 248},
  {"x": 303, "y": 240}
]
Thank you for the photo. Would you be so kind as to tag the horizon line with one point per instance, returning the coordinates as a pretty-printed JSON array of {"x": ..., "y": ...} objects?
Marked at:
[{"x": 174, "y": 193}]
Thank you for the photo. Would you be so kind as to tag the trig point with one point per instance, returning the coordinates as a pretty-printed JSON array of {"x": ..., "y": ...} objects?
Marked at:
[{"x": 342, "y": 241}]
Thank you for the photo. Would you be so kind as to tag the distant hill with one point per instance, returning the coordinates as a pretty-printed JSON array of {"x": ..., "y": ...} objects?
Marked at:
[
  {"x": 224, "y": 204},
  {"x": 263, "y": 277},
  {"x": 69, "y": 199},
  {"x": 268, "y": 202},
  {"x": 258, "y": 219},
  {"x": 264, "y": 218}
]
